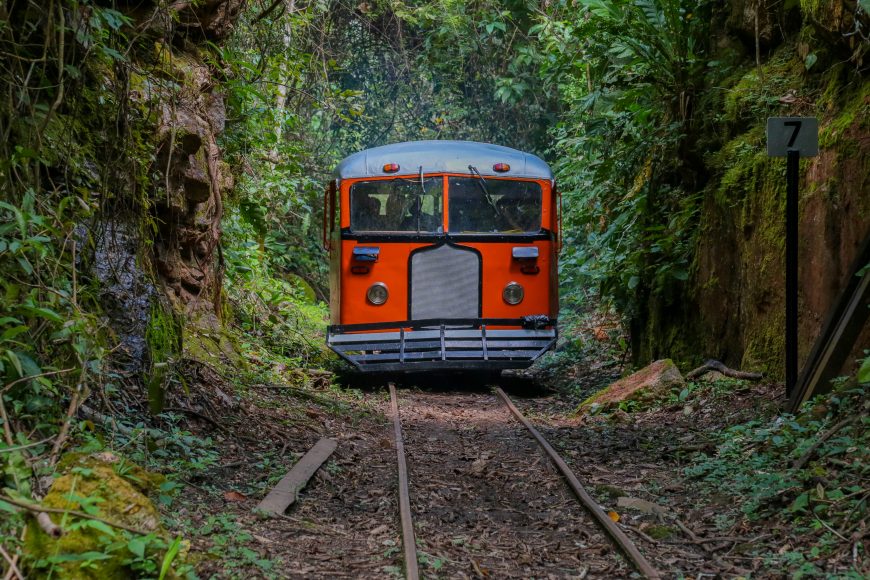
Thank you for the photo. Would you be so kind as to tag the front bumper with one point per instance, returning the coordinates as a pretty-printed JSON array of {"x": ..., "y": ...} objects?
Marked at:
[{"x": 443, "y": 344}]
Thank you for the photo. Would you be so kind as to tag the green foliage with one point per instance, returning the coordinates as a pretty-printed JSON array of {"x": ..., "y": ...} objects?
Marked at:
[
  {"x": 308, "y": 87},
  {"x": 277, "y": 314},
  {"x": 62, "y": 142},
  {"x": 120, "y": 553},
  {"x": 178, "y": 451},
  {"x": 864, "y": 372},
  {"x": 298, "y": 101},
  {"x": 107, "y": 486},
  {"x": 471, "y": 75},
  {"x": 51, "y": 343},
  {"x": 756, "y": 92},
  {"x": 230, "y": 545},
  {"x": 40, "y": 309},
  {"x": 273, "y": 140},
  {"x": 624, "y": 78},
  {"x": 61, "y": 116},
  {"x": 629, "y": 95},
  {"x": 587, "y": 332},
  {"x": 807, "y": 470}
]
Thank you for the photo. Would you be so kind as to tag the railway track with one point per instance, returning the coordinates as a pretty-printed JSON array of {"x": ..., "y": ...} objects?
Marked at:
[{"x": 410, "y": 548}]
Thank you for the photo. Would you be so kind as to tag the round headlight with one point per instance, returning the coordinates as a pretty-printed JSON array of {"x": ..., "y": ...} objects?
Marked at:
[
  {"x": 377, "y": 293},
  {"x": 513, "y": 293}
]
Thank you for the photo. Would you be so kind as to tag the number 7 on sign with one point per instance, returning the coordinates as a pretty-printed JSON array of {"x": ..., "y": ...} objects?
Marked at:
[
  {"x": 786, "y": 134},
  {"x": 794, "y": 133}
]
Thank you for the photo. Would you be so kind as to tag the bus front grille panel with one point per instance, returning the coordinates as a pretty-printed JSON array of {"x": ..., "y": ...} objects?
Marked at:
[{"x": 445, "y": 283}]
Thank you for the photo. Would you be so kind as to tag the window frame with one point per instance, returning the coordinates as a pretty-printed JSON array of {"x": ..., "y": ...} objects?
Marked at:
[
  {"x": 547, "y": 228},
  {"x": 405, "y": 178},
  {"x": 489, "y": 179}
]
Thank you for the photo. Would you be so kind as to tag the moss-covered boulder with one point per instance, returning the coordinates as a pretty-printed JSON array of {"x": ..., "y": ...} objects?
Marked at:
[
  {"x": 109, "y": 487},
  {"x": 646, "y": 384}
]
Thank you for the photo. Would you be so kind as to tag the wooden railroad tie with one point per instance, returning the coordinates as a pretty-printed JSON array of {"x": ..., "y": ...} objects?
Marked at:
[{"x": 287, "y": 491}]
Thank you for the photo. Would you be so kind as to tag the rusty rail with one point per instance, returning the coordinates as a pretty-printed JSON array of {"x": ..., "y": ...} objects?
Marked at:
[
  {"x": 588, "y": 502},
  {"x": 408, "y": 540}
]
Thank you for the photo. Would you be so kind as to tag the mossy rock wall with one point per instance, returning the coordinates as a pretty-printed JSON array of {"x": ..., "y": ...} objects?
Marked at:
[
  {"x": 733, "y": 306},
  {"x": 157, "y": 257}
]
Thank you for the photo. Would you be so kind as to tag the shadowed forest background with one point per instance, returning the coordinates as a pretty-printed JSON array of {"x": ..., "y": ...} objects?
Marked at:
[{"x": 163, "y": 167}]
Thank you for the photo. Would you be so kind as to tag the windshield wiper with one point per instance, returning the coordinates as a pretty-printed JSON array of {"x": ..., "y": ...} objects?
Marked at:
[
  {"x": 420, "y": 199},
  {"x": 482, "y": 182}
]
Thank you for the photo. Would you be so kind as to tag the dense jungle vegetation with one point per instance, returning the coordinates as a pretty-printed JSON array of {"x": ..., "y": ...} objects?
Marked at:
[{"x": 163, "y": 166}]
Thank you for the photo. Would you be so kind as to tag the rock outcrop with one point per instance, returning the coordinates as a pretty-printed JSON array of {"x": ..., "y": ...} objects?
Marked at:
[
  {"x": 190, "y": 182},
  {"x": 155, "y": 244},
  {"x": 732, "y": 307},
  {"x": 648, "y": 383}
]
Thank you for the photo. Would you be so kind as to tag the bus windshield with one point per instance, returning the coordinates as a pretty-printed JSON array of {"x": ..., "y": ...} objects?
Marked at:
[
  {"x": 397, "y": 205},
  {"x": 494, "y": 206}
]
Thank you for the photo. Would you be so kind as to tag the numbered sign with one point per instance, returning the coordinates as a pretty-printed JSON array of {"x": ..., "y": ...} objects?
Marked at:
[{"x": 799, "y": 134}]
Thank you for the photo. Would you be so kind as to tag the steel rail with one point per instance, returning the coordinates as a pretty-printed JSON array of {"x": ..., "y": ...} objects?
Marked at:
[
  {"x": 408, "y": 540},
  {"x": 603, "y": 520}
]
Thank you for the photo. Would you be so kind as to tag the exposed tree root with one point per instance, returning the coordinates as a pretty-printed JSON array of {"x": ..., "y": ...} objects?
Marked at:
[
  {"x": 714, "y": 365},
  {"x": 48, "y": 526}
]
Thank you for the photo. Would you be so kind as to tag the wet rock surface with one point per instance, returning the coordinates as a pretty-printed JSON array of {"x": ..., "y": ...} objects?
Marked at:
[{"x": 126, "y": 291}]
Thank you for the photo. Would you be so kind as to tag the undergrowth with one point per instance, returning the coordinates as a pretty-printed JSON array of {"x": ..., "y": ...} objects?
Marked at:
[
  {"x": 79, "y": 150},
  {"x": 804, "y": 477},
  {"x": 275, "y": 315},
  {"x": 800, "y": 479},
  {"x": 592, "y": 339}
]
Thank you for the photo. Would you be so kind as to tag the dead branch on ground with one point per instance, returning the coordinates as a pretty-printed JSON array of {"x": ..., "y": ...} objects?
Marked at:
[
  {"x": 38, "y": 509},
  {"x": 714, "y": 365}
]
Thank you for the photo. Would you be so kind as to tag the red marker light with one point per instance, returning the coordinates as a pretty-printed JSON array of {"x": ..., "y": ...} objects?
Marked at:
[
  {"x": 391, "y": 167},
  {"x": 501, "y": 167}
]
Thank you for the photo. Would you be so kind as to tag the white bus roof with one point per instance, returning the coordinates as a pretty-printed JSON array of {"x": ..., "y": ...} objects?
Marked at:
[{"x": 443, "y": 157}]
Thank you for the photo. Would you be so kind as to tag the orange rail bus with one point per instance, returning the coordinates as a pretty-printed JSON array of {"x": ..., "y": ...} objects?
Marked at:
[{"x": 443, "y": 255}]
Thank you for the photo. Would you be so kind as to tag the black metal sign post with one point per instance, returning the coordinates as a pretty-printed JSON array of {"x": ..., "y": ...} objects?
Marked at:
[
  {"x": 792, "y": 176},
  {"x": 792, "y": 138}
]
